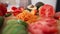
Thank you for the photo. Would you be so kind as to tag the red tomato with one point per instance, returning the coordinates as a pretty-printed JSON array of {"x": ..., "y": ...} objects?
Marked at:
[{"x": 46, "y": 11}]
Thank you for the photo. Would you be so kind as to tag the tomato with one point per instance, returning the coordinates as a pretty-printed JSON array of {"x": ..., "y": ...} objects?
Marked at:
[{"x": 46, "y": 11}]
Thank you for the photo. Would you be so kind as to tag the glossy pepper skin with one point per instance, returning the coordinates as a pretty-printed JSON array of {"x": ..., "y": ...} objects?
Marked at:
[{"x": 16, "y": 10}]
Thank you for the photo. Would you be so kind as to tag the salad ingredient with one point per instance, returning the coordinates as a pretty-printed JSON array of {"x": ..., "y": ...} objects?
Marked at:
[
  {"x": 46, "y": 24},
  {"x": 27, "y": 16},
  {"x": 46, "y": 10}
]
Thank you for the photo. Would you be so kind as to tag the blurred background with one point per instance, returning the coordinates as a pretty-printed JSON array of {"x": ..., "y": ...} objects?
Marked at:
[{"x": 27, "y": 2}]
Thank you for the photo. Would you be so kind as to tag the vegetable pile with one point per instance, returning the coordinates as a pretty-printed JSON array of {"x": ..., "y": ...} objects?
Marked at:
[
  {"x": 35, "y": 19},
  {"x": 27, "y": 16},
  {"x": 47, "y": 24}
]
